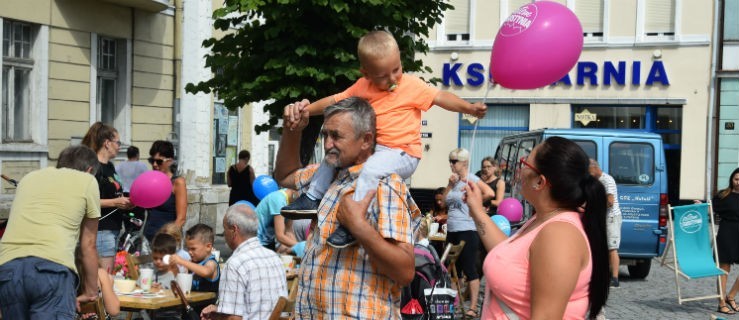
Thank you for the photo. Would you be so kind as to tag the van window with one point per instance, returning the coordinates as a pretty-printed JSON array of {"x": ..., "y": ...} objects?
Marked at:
[
  {"x": 589, "y": 147},
  {"x": 505, "y": 159},
  {"x": 631, "y": 163}
]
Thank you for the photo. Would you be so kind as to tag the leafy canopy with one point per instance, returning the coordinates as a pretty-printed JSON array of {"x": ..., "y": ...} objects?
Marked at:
[{"x": 286, "y": 50}]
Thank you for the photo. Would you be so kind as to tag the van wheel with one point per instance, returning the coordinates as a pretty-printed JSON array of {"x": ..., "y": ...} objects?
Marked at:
[{"x": 640, "y": 270}]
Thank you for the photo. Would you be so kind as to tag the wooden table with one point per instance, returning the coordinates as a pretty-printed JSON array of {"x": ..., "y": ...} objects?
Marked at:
[
  {"x": 439, "y": 237},
  {"x": 167, "y": 300}
]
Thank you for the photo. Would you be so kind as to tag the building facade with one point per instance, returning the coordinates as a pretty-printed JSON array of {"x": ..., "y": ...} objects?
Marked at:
[
  {"x": 645, "y": 65},
  {"x": 68, "y": 64},
  {"x": 726, "y": 114}
]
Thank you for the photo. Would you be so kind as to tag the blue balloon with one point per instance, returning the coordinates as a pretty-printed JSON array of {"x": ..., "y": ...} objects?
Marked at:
[
  {"x": 246, "y": 203},
  {"x": 502, "y": 223},
  {"x": 264, "y": 185}
]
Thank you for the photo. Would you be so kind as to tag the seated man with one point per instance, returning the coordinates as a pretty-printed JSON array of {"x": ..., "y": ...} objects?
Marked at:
[
  {"x": 254, "y": 276},
  {"x": 364, "y": 281}
]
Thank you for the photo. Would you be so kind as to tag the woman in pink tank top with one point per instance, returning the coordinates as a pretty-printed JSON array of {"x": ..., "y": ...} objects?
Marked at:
[{"x": 556, "y": 265}]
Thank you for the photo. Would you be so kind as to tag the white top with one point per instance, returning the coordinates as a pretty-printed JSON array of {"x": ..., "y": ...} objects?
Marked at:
[{"x": 611, "y": 189}]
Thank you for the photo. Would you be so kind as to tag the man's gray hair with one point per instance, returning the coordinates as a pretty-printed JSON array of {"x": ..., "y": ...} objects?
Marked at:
[
  {"x": 363, "y": 115},
  {"x": 242, "y": 216},
  {"x": 79, "y": 157}
]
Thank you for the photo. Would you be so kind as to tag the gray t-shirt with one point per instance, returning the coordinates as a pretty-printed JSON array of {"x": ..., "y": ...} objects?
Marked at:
[{"x": 459, "y": 213}]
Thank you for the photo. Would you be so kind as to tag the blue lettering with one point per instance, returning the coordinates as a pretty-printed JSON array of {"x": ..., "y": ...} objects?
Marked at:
[
  {"x": 609, "y": 71},
  {"x": 657, "y": 73},
  {"x": 565, "y": 80},
  {"x": 450, "y": 72},
  {"x": 476, "y": 72},
  {"x": 635, "y": 72},
  {"x": 587, "y": 69}
]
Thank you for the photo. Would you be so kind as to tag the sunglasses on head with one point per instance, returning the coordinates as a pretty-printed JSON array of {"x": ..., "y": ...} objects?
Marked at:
[
  {"x": 159, "y": 162},
  {"x": 453, "y": 161}
]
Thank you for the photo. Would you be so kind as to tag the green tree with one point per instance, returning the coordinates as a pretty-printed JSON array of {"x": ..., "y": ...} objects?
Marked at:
[{"x": 284, "y": 50}]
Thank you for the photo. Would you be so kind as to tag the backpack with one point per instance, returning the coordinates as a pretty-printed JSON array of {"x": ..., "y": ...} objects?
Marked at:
[{"x": 430, "y": 273}]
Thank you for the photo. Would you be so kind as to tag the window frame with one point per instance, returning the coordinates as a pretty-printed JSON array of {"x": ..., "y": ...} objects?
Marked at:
[
  {"x": 123, "y": 84},
  {"x": 441, "y": 34},
  {"x": 605, "y": 20},
  {"x": 642, "y": 37},
  {"x": 35, "y": 148}
]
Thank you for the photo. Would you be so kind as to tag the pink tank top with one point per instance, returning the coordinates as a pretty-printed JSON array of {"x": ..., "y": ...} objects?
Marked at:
[{"x": 506, "y": 270}]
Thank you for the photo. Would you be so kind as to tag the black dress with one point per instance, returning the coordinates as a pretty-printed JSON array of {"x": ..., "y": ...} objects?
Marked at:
[
  {"x": 727, "y": 239},
  {"x": 110, "y": 188},
  {"x": 241, "y": 188}
]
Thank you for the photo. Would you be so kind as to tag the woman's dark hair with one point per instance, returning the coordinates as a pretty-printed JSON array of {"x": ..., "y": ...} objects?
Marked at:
[
  {"x": 565, "y": 165},
  {"x": 725, "y": 192},
  {"x": 163, "y": 148},
  {"x": 244, "y": 154},
  {"x": 97, "y": 134}
]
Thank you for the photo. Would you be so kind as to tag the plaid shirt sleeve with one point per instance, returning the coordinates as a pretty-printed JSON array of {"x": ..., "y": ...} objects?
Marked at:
[
  {"x": 232, "y": 291},
  {"x": 303, "y": 177},
  {"x": 393, "y": 210}
]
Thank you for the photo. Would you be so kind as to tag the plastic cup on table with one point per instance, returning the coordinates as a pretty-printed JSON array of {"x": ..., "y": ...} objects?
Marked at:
[
  {"x": 146, "y": 276},
  {"x": 184, "y": 280}
]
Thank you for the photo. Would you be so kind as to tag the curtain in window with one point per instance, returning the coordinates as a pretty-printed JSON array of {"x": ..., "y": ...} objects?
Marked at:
[
  {"x": 660, "y": 16},
  {"x": 590, "y": 13},
  {"x": 457, "y": 21}
]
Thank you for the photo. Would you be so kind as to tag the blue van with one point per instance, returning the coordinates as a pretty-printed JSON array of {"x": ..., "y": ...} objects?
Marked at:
[{"x": 636, "y": 161}]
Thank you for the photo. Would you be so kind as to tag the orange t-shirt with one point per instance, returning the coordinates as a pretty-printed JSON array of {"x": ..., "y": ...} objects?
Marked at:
[{"x": 398, "y": 111}]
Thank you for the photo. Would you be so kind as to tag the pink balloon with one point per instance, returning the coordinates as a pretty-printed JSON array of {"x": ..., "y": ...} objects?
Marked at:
[
  {"x": 511, "y": 209},
  {"x": 151, "y": 189},
  {"x": 536, "y": 46}
]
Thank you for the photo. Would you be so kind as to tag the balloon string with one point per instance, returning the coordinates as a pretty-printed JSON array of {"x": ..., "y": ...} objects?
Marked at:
[
  {"x": 109, "y": 213},
  {"x": 474, "y": 131}
]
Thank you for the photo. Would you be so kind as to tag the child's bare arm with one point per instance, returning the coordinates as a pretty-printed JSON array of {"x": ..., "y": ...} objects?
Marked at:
[
  {"x": 206, "y": 271},
  {"x": 294, "y": 112},
  {"x": 317, "y": 107},
  {"x": 452, "y": 102}
]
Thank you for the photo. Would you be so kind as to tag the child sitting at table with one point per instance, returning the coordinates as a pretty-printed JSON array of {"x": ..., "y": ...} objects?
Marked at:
[
  {"x": 204, "y": 266},
  {"x": 105, "y": 291},
  {"x": 174, "y": 230},
  {"x": 163, "y": 245}
]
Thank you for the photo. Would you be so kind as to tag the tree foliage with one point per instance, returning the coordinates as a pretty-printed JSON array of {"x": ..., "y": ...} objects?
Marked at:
[{"x": 284, "y": 50}]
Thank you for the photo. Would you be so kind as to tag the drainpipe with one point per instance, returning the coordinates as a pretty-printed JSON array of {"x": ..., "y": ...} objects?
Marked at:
[
  {"x": 711, "y": 130},
  {"x": 177, "y": 74}
]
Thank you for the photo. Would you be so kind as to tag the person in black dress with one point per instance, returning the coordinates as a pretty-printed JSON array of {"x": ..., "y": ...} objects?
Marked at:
[
  {"x": 105, "y": 141},
  {"x": 240, "y": 177},
  {"x": 726, "y": 206},
  {"x": 161, "y": 158},
  {"x": 490, "y": 174}
]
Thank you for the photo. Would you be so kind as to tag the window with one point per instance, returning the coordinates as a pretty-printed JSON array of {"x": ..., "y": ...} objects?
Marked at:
[
  {"x": 225, "y": 141},
  {"x": 589, "y": 147},
  {"x": 731, "y": 20},
  {"x": 659, "y": 18},
  {"x": 620, "y": 117},
  {"x": 590, "y": 14},
  {"x": 457, "y": 21},
  {"x": 18, "y": 65},
  {"x": 499, "y": 122},
  {"x": 631, "y": 163},
  {"x": 111, "y": 63}
]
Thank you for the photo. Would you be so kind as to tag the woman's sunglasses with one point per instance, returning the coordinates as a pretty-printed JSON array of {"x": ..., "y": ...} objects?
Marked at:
[{"x": 159, "y": 162}]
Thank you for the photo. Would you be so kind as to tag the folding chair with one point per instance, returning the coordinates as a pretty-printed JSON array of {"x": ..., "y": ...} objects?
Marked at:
[
  {"x": 693, "y": 243},
  {"x": 285, "y": 307},
  {"x": 451, "y": 253}
]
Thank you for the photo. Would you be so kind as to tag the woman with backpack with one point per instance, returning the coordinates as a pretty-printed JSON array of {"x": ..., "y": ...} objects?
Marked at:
[{"x": 556, "y": 265}]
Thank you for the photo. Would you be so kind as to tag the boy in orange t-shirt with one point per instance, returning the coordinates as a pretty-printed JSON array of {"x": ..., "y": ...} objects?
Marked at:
[{"x": 398, "y": 100}]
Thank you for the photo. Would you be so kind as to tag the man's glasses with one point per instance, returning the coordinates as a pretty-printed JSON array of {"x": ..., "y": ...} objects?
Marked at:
[
  {"x": 453, "y": 161},
  {"x": 159, "y": 162},
  {"x": 524, "y": 163}
]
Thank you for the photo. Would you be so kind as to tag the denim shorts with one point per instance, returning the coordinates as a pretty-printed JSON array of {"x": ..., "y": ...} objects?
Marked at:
[
  {"x": 107, "y": 242},
  {"x": 35, "y": 288}
]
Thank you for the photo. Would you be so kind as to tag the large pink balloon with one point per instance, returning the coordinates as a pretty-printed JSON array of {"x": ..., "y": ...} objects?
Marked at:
[
  {"x": 536, "y": 46},
  {"x": 511, "y": 209},
  {"x": 151, "y": 189}
]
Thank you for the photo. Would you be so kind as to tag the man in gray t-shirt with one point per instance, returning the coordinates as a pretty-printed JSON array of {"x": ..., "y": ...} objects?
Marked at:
[{"x": 613, "y": 219}]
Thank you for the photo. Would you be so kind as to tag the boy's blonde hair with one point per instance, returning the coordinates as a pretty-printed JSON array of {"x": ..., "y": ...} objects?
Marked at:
[
  {"x": 376, "y": 44},
  {"x": 173, "y": 230}
]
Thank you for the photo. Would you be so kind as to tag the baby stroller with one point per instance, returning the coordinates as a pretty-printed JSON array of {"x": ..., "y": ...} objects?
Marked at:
[{"x": 426, "y": 296}]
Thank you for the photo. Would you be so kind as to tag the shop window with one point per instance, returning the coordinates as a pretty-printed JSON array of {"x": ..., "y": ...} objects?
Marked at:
[
  {"x": 619, "y": 117},
  {"x": 457, "y": 21},
  {"x": 225, "y": 141},
  {"x": 17, "y": 80},
  {"x": 111, "y": 84},
  {"x": 500, "y": 121},
  {"x": 590, "y": 14}
]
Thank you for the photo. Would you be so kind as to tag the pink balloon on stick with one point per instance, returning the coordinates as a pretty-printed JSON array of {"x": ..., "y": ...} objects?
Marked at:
[
  {"x": 536, "y": 46},
  {"x": 151, "y": 189}
]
